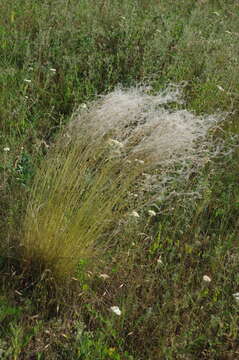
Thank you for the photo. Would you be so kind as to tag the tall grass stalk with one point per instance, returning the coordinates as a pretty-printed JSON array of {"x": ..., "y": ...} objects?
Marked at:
[{"x": 114, "y": 160}]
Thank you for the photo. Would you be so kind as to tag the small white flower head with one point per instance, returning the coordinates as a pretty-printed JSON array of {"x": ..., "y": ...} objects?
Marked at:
[
  {"x": 52, "y": 70},
  {"x": 159, "y": 261},
  {"x": 220, "y": 88},
  {"x": 27, "y": 80},
  {"x": 135, "y": 214},
  {"x": 6, "y": 149},
  {"x": 116, "y": 143},
  {"x": 152, "y": 213},
  {"x": 115, "y": 310},
  {"x": 207, "y": 279},
  {"x": 83, "y": 106},
  {"x": 236, "y": 296},
  {"x": 104, "y": 276},
  {"x": 139, "y": 161}
]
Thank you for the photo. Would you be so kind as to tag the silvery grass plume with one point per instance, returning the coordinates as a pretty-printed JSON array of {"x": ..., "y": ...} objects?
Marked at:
[
  {"x": 141, "y": 123},
  {"x": 169, "y": 145},
  {"x": 118, "y": 155}
]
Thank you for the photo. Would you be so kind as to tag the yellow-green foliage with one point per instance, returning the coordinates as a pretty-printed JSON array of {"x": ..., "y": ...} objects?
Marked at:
[{"x": 79, "y": 195}]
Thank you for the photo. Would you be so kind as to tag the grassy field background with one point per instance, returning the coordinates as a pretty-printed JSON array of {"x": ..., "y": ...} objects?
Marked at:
[{"x": 58, "y": 55}]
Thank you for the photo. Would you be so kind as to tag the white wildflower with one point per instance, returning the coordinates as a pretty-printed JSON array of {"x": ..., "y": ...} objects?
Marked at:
[
  {"x": 134, "y": 195},
  {"x": 115, "y": 142},
  {"x": 53, "y": 70},
  {"x": 152, "y": 213},
  {"x": 27, "y": 80},
  {"x": 116, "y": 310},
  {"x": 159, "y": 261},
  {"x": 83, "y": 106},
  {"x": 104, "y": 276},
  {"x": 139, "y": 161},
  {"x": 236, "y": 296},
  {"x": 135, "y": 214},
  {"x": 6, "y": 149},
  {"x": 207, "y": 278},
  {"x": 220, "y": 88}
]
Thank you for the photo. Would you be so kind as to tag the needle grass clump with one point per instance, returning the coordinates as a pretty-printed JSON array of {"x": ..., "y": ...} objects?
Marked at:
[{"x": 112, "y": 161}]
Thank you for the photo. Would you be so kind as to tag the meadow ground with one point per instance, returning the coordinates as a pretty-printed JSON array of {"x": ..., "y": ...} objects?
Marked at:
[{"x": 154, "y": 272}]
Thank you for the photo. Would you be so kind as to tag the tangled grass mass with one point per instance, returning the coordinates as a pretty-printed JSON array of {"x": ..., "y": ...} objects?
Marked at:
[{"x": 118, "y": 156}]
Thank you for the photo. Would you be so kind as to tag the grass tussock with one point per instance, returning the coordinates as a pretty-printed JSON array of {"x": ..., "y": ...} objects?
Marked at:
[{"x": 114, "y": 161}]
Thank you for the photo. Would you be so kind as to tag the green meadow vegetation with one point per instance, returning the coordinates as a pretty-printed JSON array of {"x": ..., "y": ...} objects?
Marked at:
[{"x": 119, "y": 196}]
